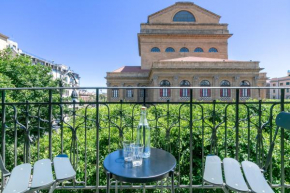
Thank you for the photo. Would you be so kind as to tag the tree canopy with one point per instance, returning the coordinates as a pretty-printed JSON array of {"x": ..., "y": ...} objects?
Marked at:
[{"x": 18, "y": 71}]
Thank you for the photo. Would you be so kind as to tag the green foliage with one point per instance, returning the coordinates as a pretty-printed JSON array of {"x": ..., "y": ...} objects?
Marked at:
[
  {"x": 171, "y": 132},
  {"x": 18, "y": 71}
]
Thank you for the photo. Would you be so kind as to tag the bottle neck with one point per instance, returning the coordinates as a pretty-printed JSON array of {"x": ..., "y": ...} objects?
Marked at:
[{"x": 143, "y": 115}]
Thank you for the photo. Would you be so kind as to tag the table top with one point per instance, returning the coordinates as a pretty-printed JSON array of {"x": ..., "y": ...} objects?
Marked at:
[{"x": 154, "y": 168}]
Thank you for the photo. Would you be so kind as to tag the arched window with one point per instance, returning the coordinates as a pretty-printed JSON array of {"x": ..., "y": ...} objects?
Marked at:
[
  {"x": 184, "y": 92},
  {"x": 155, "y": 49},
  {"x": 205, "y": 92},
  {"x": 183, "y": 16},
  {"x": 213, "y": 50},
  {"x": 165, "y": 92},
  {"x": 245, "y": 92},
  {"x": 169, "y": 49},
  {"x": 198, "y": 50},
  {"x": 184, "y": 49},
  {"x": 115, "y": 92},
  {"x": 225, "y": 92},
  {"x": 129, "y": 92}
]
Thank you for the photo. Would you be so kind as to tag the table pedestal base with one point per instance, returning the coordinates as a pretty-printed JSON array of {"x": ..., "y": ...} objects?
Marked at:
[{"x": 171, "y": 174}]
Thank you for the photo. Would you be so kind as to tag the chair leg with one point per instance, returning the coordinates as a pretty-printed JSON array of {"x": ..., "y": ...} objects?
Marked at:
[
  {"x": 225, "y": 189},
  {"x": 108, "y": 182},
  {"x": 172, "y": 180},
  {"x": 52, "y": 188}
]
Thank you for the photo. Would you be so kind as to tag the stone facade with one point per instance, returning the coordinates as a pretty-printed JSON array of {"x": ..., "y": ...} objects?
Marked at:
[
  {"x": 185, "y": 45},
  {"x": 280, "y": 82}
]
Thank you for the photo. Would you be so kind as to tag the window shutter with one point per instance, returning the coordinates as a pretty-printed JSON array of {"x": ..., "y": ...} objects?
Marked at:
[
  {"x": 188, "y": 92},
  {"x": 241, "y": 92},
  {"x": 209, "y": 92},
  {"x": 161, "y": 92},
  {"x": 180, "y": 93},
  {"x": 169, "y": 92},
  {"x": 201, "y": 93},
  {"x": 249, "y": 92},
  {"x": 221, "y": 92},
  {"x": 229, "y": 92}
]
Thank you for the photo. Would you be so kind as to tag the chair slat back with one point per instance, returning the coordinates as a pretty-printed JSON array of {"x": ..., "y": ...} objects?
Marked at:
[{"x": 283, "y": 120}]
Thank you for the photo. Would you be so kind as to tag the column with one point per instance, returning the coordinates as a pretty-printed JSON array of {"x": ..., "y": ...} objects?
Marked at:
[
  {"x": 155, "y": 96},
  {"x": 109, "y": 92},
  {"x": 236, "y": 83},
  {"x": 175, "y": 92},
  {"x": 136, "y": 93},
  {"x": 122, "y": 92},
  {"x": 255, "y": 92},
  {"x": 215, "y": 92},
  {"x": 196, "y": 91}
]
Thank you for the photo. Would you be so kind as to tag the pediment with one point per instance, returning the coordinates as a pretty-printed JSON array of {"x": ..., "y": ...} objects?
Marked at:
[{"x": 166, "y": 15}]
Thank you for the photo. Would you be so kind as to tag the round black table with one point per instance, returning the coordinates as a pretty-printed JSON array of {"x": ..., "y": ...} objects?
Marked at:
[{"x": 158, "y": 166}]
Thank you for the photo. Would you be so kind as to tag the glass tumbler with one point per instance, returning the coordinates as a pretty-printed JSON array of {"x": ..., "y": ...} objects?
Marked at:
[
  {"x": 127, "y": 150},
  {"x": 137, "y": 154}
]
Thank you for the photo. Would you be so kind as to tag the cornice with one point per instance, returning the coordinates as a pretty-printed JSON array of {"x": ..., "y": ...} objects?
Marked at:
[
  {"x": 187, "y": 24},
  {"x": 3, "y": 36},
  {"x": 185, "y": 35}
]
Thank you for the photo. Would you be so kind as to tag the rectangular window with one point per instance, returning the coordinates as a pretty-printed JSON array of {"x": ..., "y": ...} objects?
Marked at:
[
  {"x": 129, "y": 93},
  {"x": 184, "y": 92},
  {"x": 274, "y": 84},
  {"x": 115, "y": 93},
  {"x": 281, "y": 84},
  {"x": 287, "y": 89},
  {"x": 141, "y": 93},
  {"x": 287, "y": 83},
  {"x": 204, "y": 93},
  {"x": 225, "y": 92},
  {"x": 274, "y": 91},
  {"x": 164, "y": 92},
  {"x": 245, "y": 92}
]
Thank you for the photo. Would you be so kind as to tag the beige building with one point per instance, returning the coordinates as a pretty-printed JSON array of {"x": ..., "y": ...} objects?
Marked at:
[
  {"x": 280, "y": 82},
  {"x": 185, "y": 45},
  {"x": 5, "y": 42}
]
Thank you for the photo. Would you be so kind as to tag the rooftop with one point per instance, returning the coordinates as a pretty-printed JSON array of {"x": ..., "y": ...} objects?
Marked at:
[
  {"x": 124, "y": 69},
  {"x": 198, "y": 59},
  {"x": 280, "y": 79}
]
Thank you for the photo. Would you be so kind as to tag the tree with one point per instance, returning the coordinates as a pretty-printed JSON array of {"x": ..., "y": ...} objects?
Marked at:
[{"x": 18, "y": 71}]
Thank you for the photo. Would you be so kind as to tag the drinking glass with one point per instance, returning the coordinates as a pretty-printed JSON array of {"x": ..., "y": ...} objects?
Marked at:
[
  {"x": 127, "y": 150},
  {"x": 137, "y": 154}
]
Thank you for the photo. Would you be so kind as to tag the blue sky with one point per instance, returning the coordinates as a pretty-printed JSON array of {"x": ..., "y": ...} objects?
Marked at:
[{"x": 97, "y": 36}]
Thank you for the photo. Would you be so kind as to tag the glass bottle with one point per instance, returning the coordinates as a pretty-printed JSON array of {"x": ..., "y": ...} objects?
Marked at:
[{"x": 143, "y": 133}]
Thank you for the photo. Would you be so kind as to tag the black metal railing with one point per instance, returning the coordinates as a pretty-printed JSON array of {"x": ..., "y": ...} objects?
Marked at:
[{"x": 189, "y": 128}]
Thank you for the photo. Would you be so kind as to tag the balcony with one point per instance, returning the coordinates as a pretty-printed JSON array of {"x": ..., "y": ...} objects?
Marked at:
[{"x": 241, "y": 128}]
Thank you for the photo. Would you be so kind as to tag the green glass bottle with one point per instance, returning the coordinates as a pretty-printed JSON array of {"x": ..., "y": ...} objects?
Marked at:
[{"x": 143, "y": 133}]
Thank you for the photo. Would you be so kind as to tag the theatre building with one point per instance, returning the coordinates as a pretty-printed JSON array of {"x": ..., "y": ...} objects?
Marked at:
[{"x": 185, "y": 45}]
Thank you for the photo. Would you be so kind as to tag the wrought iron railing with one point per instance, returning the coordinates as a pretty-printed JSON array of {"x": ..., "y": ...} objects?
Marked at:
[{"x": 49, "y": 124}]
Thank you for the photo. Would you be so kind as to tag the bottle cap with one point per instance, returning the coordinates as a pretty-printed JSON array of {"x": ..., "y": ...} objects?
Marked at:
[{"x": 143, "y": 108}]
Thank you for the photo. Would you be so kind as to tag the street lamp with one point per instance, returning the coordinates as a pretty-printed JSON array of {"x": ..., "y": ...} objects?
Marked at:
[{"x": 74, "y": 96}]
